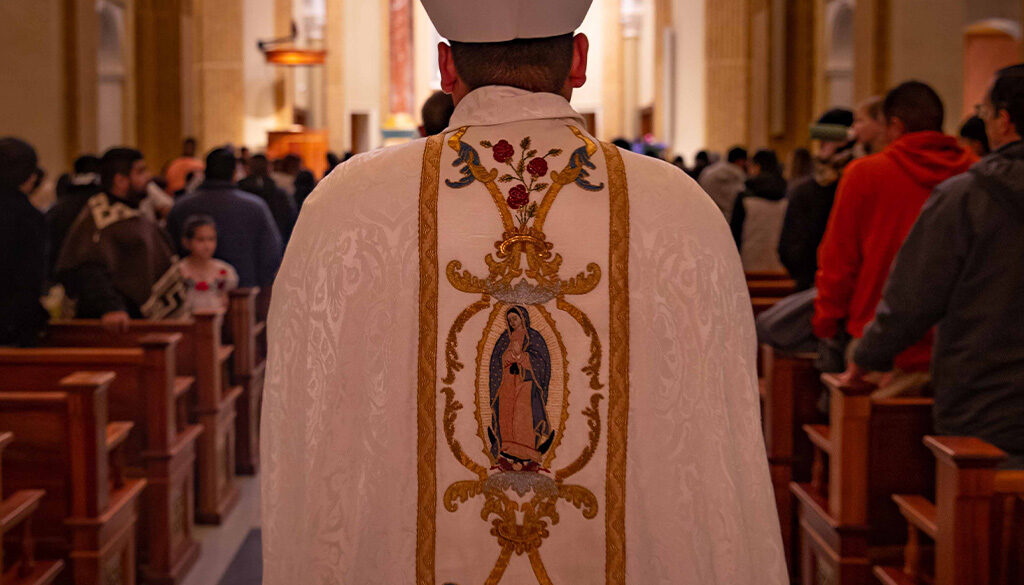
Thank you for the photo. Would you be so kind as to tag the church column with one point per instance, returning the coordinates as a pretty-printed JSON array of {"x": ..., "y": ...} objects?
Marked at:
[
  {"x": 610, "y": 123},
  {"x": 727, "y": 73},
  {"x": 219, "y": 72},
  {"x": 632, "y": 21},
  {"x": 334, "y": 40},
  {"x": 158, "y": 79},
  {"x": 662, "y": 95},
  {"x": 872, "y": 42},
  {"x": 401, "y": 81},
  {"x": 284, "y": 77},
  {"x": 81, "y": 27}
]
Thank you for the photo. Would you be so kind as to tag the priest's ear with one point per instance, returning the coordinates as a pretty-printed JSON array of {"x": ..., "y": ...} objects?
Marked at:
[
  {"x": 450, "y": 81},
  {"x": 578, "y": 72}
]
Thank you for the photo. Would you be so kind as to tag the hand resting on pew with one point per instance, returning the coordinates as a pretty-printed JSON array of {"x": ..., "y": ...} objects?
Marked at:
[{"x": 116, "y": 321}]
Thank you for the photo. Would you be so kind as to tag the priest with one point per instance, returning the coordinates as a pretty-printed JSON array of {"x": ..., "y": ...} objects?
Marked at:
[{"x": 512, "y": 353}]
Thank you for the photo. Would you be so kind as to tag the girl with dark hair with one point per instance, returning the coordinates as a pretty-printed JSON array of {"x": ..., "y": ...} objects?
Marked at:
[{"x": 207, "y": 279}]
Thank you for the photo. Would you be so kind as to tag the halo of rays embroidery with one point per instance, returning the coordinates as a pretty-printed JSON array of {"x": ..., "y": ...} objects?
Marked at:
[{"x": 522, "y": 408}]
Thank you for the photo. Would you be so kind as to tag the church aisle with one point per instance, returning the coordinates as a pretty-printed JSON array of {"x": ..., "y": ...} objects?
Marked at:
[{"x": 221, "y": 544}]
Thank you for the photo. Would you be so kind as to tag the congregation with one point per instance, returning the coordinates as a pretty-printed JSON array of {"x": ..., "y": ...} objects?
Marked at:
[{"x": 903, "y": 243}]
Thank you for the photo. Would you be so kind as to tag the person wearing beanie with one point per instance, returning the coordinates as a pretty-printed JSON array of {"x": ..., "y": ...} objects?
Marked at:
[
  {"x": 810, "y": 199},
  {"x": 22, "y": 246}
]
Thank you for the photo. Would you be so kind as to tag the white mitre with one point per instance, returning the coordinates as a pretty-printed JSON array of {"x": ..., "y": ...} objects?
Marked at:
[{"x": 495, "y": 21}]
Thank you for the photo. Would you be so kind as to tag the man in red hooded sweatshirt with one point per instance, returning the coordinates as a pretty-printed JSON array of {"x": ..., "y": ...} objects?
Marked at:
[{"x": 877, "y": 202}]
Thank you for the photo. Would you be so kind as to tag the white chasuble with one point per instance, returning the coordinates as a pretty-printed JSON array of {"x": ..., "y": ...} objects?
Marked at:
[{"x": 513, "y": 354}]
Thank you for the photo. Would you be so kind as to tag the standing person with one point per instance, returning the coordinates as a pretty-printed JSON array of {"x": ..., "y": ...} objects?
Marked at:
[
  {"x": 180, "y": 169},
  {"x": 801, "y": 165},
  {"x": 725, "y": 180},
  {"x": 281, "y": 205},
  {"x": 810, "y": 200},
  {"x": 869, "y": 126},
  {"x": 879, "y": 198},
  {"x": 395, "y": 312},
  {"x": 22, "y": 247},
  {"x": 117, "y": 263},
  {"x": 72, "y": 196},
  {"x": 960, "y": 269},
  {"x": 207, "y": 280},
  {"x": 248, "y": 239},
  {"x": 701, "y": 162},
  {"x": 974, "y": 137},
  {"x": 758, "y": 213}
]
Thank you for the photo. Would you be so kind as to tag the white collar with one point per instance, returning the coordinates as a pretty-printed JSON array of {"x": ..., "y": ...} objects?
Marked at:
[{"x": 502, "y": 104}]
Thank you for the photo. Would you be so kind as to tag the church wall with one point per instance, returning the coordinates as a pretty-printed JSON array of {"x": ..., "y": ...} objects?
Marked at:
[
  {"x": 588, "y": 99},
  {"x": 927, "y": 44},
  {"x": 33, "y": 90},
  {"x": 427, "y": 77},
  {"x": 260, "y": 77},
  {"x": 367, "y": 69},
  {"x": 690, "y": 98}
]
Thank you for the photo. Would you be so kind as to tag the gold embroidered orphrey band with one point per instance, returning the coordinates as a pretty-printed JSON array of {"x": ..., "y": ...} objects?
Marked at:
[{"x": 427, "y": 393}]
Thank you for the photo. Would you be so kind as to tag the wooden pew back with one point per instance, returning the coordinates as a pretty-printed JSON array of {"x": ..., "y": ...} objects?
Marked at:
[
  {"x": 61, "y": 448},
  {"x": 142, "y": 391}
]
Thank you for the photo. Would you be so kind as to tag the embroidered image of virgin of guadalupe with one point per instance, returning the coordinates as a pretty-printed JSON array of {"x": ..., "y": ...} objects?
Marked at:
[{"x": 520, "y": 370}]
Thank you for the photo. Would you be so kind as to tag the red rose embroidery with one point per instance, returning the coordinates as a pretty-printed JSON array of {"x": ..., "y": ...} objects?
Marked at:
[
  {"x": 202, "y": 285},
  {"x": 223, "y": 271},
  {"x": 518, "y": 197},
  {"x": 538, "y": 167},
  {"x": 503, "y": 151}
]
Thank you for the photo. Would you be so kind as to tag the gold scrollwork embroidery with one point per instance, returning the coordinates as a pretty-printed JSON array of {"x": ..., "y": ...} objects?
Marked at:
[
  {"x": 451, "y": 350},
  {"x": 593, "y": 367}
]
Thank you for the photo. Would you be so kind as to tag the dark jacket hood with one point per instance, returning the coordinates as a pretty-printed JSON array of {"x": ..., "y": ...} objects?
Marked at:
[
  {"x": 767, "y": 186},
  {"x": 929, "y": 157},
  {"x": 1002, "y": 174}
]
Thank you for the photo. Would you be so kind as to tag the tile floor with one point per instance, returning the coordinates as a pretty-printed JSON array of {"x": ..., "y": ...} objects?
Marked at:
[{"x": 221, "y": 544}]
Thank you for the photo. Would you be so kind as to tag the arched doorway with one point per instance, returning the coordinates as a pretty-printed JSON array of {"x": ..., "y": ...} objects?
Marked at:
[
  {"x": 989, "y": 45},
  {"x": 840, "y": 44},
  {"x": 110, "y": 61}
]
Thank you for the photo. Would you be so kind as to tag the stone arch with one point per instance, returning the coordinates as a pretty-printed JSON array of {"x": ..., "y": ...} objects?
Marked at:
[
  {"x": 839, "y": 42},
  {"x": 989, "y": 45},
  {"x": 111, "y": 78}
]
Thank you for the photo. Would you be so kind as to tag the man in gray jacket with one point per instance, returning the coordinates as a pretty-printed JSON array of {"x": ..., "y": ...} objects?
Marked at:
[{"x": 962, "y": 269}]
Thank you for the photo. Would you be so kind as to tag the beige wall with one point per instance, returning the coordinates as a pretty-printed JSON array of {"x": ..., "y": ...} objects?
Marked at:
[
  {"x": 927, "y": 45},
  {"x": 363, "y": 28},
  {"x": 260, "y": 77},
  {"x": 32, "y": 86},
  {"x": 690, "y": 96}
]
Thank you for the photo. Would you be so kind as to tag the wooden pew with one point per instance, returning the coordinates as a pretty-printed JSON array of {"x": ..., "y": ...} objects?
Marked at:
[
  {"x": 202, "y": 356},
  {"x": 790, "y": 392},
  {"x": 161, "y": 448},
  {"x": 871, "y": 448},
  {"x": 66, "y": 447},
  {"x": 975, "y": 525},
  {"x": 771, "y": 288},
  {"x": 767, "y": 275},
  {"x": 246, "y": 330},
  {"x": 16, "y": 515}
]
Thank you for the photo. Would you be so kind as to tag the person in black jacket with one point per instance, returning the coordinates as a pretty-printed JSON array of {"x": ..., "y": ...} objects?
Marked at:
[
  {"x": 962, "y": 269},
  {"x": 73, "y": 192},
  {"x": 259, "y": 183},
  {"x": 810, "y": 199},
  {"x": 22, "y": 247}
]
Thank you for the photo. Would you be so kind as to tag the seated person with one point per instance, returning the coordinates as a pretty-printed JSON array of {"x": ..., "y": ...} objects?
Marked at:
[{"x": 207, "y": 279}]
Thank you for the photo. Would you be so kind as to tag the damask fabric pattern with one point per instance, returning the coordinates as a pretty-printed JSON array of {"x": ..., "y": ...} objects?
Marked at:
[{"x": 340, "y": 409}]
